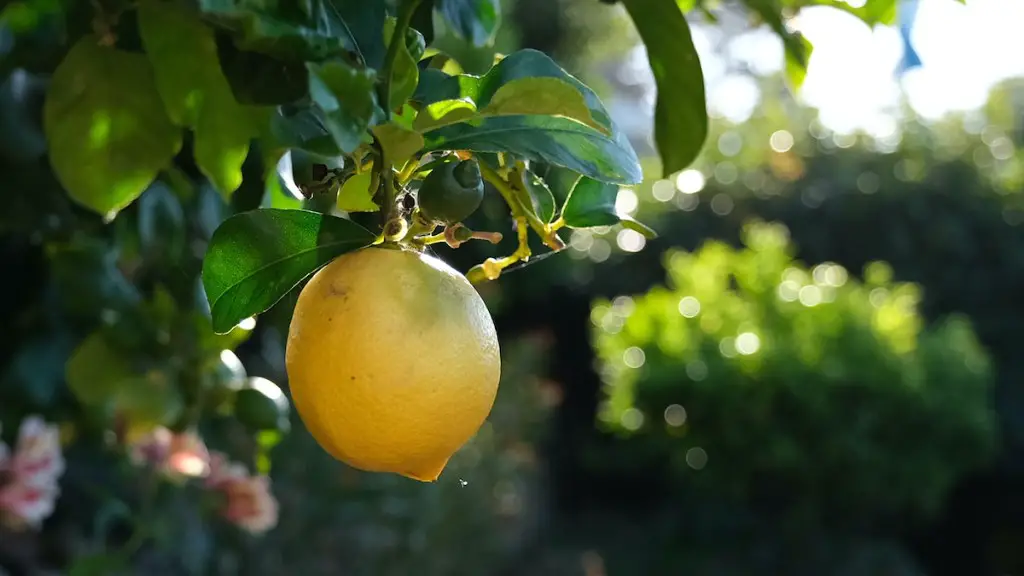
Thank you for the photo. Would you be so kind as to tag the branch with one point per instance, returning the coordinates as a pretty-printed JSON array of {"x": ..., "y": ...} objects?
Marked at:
[
  {"x": 405, "y": 14},
  {"x": 545, "y": 232}
]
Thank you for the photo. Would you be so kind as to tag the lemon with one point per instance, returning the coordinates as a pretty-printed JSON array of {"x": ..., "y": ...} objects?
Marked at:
[{"x": 393, "y": 361}]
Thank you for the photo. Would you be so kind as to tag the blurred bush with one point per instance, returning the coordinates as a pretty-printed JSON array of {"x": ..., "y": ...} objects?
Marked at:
[{"x": 794, "y": 390}]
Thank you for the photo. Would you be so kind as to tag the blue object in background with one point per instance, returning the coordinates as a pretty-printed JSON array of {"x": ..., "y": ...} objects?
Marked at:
[{"x": 905, "y": 18}]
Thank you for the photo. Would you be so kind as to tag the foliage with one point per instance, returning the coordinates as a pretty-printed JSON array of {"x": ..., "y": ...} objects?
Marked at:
[
  {"x": 173, "y": 168},
  {"x": 761, "y": 379}
]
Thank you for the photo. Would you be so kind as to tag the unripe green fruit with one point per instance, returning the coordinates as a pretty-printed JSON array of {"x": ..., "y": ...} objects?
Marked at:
[
  {"x": 262, "y": 406},
  {"x": 451, "y": 192}
]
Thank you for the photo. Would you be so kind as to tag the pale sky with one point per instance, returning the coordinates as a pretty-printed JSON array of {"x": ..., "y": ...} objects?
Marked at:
[
  {"x": 852, "y": 78},
  {"x": 965, "y": 50}
]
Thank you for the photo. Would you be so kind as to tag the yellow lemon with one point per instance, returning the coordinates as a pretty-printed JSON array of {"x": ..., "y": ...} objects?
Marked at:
[{"x": 393, "y": 361}]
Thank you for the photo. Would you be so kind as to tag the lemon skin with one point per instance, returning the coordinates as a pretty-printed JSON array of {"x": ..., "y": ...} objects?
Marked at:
[{"x": 392, "y": 360}]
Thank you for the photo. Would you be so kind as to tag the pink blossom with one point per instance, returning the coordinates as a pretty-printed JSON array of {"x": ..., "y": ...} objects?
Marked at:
[
  {"x": 250, "y": 504},
  {"x": 152, "y": 449},
  {"x": 23, "y": 504},
  {"x": 176, "y": 455},
  {"x": 248, "y": 501},
  {"x": 30, "y": 489},
  {"x": 37, "y": 458},
  {"x": 224, "y": 472},
  {"x": 188, "y": 456}
]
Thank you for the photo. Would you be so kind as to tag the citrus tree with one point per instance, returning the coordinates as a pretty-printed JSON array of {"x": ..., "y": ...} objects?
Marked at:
[{"x": 199, "y": 160}]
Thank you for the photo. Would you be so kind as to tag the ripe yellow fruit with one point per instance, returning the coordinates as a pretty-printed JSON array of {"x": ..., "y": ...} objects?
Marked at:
[{"x": 393, "y": 361}]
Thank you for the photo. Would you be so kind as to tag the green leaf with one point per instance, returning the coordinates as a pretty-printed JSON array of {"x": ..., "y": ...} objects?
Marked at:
[
  {"x": 560, "y": 181},
  {"x": 346, "y": 96},
  {"x": 680, "y": 115},
  {"x": 435, "y": 85},
  {"x": 423, "y": 21},
  {"x": 150, "y": 399},
  {"x": 605, "y": 155},
  {"x": 303, "y": 128},
  {"x": 405, "y": 75},
  {"x": 541, "y": 198},
  {"x": 258, "y": 79},
  {"x": 398, "y": 143},
  {"x": 592, "y": 203},
  {"x": 549, "y": 139},
  {"x": 473, "y": 20},
  {"x": 355, "y": 194},
  {"x": 548, "y": 96},
  {"x": 257, "y": 257},
  {"x": 96, "y": 371},
  {"x": 796, "y": 62},
  {"x": 444, "y": 112},
  {"x": 196, "y": 93},
  {"x": 798, "y": 49},
  {"x": 317, "y": 30},
  {"x": 106, "y": 127},
  {"x": 102, "y": 377},
  {"x": 871, "y": 12}
]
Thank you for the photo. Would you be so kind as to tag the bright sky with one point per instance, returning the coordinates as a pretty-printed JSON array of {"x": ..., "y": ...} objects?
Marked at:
[{"x": 852, "y": 78}]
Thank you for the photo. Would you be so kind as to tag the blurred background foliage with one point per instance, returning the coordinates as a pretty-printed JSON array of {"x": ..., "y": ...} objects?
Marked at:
[{"x": 815, "y": 369}]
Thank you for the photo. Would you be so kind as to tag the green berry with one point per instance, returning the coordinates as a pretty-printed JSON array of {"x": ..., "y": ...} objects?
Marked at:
[{"x": 451, "y": 192}]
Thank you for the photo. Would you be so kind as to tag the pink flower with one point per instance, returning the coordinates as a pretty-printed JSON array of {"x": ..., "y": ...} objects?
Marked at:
[
  {"x": 23, "y": 504},
  {"x": 248, "y": 501},
  {"x": 224, "y": 472},
  {"x": 37, "y": 458},
  {"x": 175, "y": 455},
  {"x": 30, "y": 489},
  {"x": 152, "y": 449},
  {"x": 188, "y": 456},
  {"x": 250, "y": 505}
]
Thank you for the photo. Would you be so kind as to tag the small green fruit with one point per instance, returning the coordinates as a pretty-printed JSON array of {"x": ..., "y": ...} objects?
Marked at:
[
  {"x": 262, "y": 406},
  {"x": 451, "y": 192}
]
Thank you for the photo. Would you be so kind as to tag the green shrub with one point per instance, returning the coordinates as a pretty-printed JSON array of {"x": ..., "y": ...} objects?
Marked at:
[{"x": 762, "y": 380}]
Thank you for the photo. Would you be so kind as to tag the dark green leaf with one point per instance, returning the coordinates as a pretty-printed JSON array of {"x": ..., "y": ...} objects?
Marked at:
[
  {"x": 592, "y": 203},
  {"x": 473, "y": 20},
  {"x": 21, "y": 96},
  {"x": 256, "y": 257},
  {"x": 88, "y": 280},
  {"x": 97, "y": 565},
  {"x": 36, "y": 370},
  {"x": 436, "y": 86},
  {"x": 423, "y": 21},
  {"x": 680, "y": 116},
  {"x": 541, "y": 198},
  {"x": 106, "y": 127},
  {"x": 196, "y": 93},
  {"x": 346, "y": 96},
  {"x": 303, "y": 128},
  {"x": 258, "y": 79},
  {"x": 549, "y": 139},
  {"x": 161, "y": 221},
  {"x": 324, "y": 28},
  {"x": 560, "y": 181}
]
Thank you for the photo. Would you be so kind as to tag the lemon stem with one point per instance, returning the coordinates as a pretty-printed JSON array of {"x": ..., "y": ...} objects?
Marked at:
[
  {"x": 405, "y": 13},
  {"x": 518, "y": 210}
]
